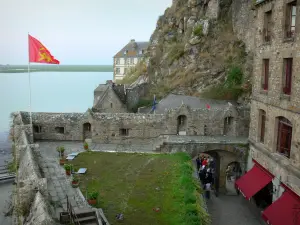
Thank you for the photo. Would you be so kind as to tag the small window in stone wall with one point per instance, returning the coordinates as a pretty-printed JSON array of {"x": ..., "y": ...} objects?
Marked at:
[
  {"x": 37, "y": 129},
  {"x": 111, "y": 105},
  {"x": 113, "y": 134},
  {"x": 205, "y": 130},
  {"x": 124, "y": 132},
  {"x": 60, "y": 130}
]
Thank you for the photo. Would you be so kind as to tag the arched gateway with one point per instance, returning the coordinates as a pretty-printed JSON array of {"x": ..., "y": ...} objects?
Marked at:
[{"x": 224, "y": 154}]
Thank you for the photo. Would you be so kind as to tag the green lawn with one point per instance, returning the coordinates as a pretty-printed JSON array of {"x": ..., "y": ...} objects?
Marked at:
[{"x": 134, "y": 184}]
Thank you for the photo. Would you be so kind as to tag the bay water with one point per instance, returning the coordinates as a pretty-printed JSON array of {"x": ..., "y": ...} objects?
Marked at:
[{"x": 50, "y": 92}]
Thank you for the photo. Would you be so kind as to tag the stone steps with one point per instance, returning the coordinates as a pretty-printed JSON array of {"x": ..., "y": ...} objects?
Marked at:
[{"x": 86, "y": 216}]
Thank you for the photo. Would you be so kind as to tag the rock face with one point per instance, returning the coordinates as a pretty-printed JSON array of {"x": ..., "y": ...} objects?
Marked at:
[{"x": 196, "y": 42}]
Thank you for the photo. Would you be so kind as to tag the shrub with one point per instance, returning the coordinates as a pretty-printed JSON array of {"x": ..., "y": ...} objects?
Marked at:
[
  {"x": 234, "y": 77},
  {"x": 93, "y": 195},
  {"x": 198, "y": 30},
  {"x": 176, "y": 51},
  {"x": 68, "y": 166}
]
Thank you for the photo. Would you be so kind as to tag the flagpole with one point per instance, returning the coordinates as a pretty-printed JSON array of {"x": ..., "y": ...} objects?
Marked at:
[{"x": 29, "y": 81}]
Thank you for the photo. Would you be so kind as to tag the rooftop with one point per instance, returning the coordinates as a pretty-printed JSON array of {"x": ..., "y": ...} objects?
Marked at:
[
  {"x": 173, "y": 101},
  {"x": 132, "y": 49}
]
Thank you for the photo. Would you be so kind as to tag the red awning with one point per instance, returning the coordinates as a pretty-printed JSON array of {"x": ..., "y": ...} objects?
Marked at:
[
  {"x": 253, "y": 181},
  {"x": 284, "y": 211}
]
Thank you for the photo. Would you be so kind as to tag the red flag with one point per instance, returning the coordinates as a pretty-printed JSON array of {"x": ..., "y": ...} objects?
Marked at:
[
  {"x": 38, "y": 53},
  {"x": 207, "y": 106}
]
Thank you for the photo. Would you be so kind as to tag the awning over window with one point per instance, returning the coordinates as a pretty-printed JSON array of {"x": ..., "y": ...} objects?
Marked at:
[
  {"x": 253, "y": 181},
  {"x": 284, "y": 211}
]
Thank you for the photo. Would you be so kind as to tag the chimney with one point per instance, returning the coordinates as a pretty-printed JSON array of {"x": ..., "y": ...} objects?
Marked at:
[{"x": 132, "y": 40}]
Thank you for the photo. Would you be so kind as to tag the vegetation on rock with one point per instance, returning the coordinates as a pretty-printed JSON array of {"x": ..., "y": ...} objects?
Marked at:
[{"x": 199, "y": 55}]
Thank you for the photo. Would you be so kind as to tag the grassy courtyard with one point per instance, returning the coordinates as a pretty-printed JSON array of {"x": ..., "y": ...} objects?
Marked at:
[{"x": 137, "y": 184}]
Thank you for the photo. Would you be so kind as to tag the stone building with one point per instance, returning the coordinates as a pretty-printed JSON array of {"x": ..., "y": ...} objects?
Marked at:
[
  {"x": 128, "y": 57},
  {"x": 274, "y": 136},
  {"x": 118, "y": 98},
  {"x": 174, "y": 115}
]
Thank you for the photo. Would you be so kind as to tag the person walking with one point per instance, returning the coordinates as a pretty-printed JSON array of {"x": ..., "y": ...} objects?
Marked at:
[{"x": 207, "y": 190}]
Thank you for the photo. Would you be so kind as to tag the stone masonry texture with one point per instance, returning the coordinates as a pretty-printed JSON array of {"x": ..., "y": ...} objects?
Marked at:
[{"x": 273, "y": 101}]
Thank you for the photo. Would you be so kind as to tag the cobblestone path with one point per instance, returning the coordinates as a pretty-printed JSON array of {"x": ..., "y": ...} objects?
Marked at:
[{"x": 59, "y": 185}]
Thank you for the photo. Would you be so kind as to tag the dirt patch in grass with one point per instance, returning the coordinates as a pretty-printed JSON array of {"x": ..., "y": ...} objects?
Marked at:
[{"x": 136, "y": 184}]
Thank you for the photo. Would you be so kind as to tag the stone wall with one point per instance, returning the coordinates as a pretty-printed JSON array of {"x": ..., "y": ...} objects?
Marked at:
[
  {"x": 120, "y": 90},
  {"x": 57, "y": 126},
  {"x": 31, "y": 190},
  {"x": 273, "y": 101},
  {"x": 133, "y": 95},
  {"x": 108, "y": 128},
  {"x": 243, "y": 21}
]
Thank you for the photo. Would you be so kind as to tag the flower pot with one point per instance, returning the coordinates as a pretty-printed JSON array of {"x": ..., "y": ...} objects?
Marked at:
[
  {"x": 61, "y": 162},
  {"x": 68, "y": 172},
  {"x": 92, "y": 201},
  {"x": 85, "y": 147},
  {"x": 75, "y": 184}
]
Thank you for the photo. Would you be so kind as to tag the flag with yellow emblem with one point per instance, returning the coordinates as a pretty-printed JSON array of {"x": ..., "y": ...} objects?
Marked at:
[{"x": 38, "y": 53}]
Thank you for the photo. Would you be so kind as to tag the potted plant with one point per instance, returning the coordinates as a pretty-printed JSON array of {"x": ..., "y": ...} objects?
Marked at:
[
  {"x": 62, "y": 161},
  {"x": 85, "y": 145},
  {"x": 92, "y": 197},
  {"x": 60, "y": 150},
  {"x": 75, "y": 181},
  {"x": 68, "y": 168}
]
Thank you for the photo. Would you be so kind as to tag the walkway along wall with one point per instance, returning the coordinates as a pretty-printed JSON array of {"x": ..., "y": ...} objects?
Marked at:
[{"x": 29, "y": 201}]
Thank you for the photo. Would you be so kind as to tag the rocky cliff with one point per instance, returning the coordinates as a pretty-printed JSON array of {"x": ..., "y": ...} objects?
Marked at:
[{"x": 202, "y": 48}]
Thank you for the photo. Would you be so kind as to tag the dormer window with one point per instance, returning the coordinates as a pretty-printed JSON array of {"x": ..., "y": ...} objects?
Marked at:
[
  {"x": 141, "y": 52},
  {"x": 125, "y": 52}
]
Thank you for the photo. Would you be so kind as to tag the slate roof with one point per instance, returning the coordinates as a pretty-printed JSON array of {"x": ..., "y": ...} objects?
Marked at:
[
  {"x": 101, "y": 88},
  {"x": 174, "y": 101},
  {"x": 133, "y": 49}
]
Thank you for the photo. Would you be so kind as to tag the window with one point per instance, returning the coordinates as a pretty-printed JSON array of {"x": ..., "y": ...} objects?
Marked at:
[
  {"x": 127, "y": 61},
  {"x": 262, "y": 125},
  {"x": 141, "y": 51},
  {"x": 125, "y": 70},
  {"x": 87, "y": 127},
  {"x": 111, "y": 105},
  {"x": 117, "y": 70},
  {"x": 265, "y": 75},
  {"x": 37, "y": 129},
  {"x": 284, "y": 139},
  {"x": 117, "y": 61},
  {"x": 125, "y": 52},
  {"x": 267, "y": 26},
  {"x": 60, "y": 130},
  {"x": 290, "y": 19},
  {"x": 124, "y": 132},
  {"x": 287, "y": 76},
  {"x": 132, "y": 61},
  {"x": 205, "y": 130}
]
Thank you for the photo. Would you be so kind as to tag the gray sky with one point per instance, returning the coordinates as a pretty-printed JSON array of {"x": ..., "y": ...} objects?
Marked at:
[{"x": 75, "y": 31}]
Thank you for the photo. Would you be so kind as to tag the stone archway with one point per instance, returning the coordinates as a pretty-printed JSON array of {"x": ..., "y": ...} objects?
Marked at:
[
  {"x": 233, "y": 172},
  {"x": 87, "y": 131},
  {"x": 181, "y": 125},
  {"x": 221, "y": 160}
]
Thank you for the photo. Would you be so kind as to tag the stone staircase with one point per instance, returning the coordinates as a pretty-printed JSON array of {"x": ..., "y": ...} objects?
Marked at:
[{"x": 159, "y": 143}]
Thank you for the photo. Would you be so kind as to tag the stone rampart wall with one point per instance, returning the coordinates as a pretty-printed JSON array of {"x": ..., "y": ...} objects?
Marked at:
[
  {"x": 27, "y": 200},
  {"x": 57, "y": 126},
  {"x": 122, "y": 127}
]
